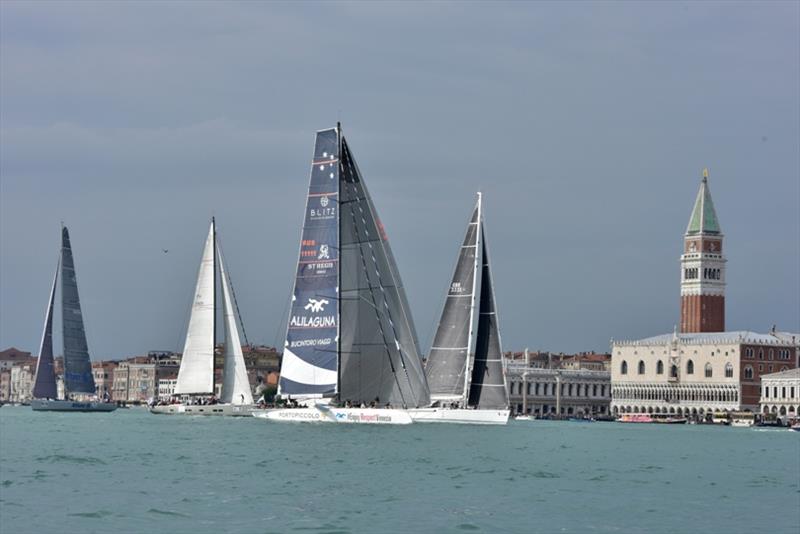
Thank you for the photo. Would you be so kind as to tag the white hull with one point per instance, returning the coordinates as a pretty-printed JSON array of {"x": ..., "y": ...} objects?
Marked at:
[
  {"x": 231, "y": 410},
  {"x": 459, "y": 416},
  {"x": 525, "y": 418},
  {"x": 740, "y": 423},
  {"x": 327, "y": 414},
  {"x": 42, "y": 405}
]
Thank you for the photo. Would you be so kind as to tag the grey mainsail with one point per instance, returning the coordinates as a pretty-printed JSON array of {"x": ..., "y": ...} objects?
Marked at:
[
  {"x": 465, "y": 363},
  {"x": 488, "y": 385},
  {"x": 77, "y": 365},
  {"x": 454, "y": 342},
  {"x": 350, "y": 331},
  {"x": 379, "y": 355},
  {"x": 44, "y": 385}
]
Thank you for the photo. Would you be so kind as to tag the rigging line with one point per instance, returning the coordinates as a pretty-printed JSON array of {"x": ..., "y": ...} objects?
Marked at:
[
  {"x": 233, "y": 293},
  {"x": 372, "y": 294},
  {"x": 354, "y": 165}
]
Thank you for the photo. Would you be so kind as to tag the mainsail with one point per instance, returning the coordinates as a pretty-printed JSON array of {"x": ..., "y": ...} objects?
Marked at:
[
  {"x": 235, "y": 385},
  {"x": 454, "y": 342},
  {"x": 465, "y": 364},
  {"x": 350, "y": 331},
  {"x": 44, "y": 386},
  {"x": 77, "y": 365},
  {"x": 196, "y": 374}
]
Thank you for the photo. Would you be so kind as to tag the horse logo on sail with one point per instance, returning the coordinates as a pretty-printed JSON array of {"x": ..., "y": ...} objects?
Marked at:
[
  {"x": 324, "y": 253},
  {"x": 315, "y": 305}
]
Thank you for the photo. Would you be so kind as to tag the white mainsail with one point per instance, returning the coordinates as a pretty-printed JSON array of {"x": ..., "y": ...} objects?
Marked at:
[
  {"x": 235, "y": 385},
  {"x": 196, "y": 374}
]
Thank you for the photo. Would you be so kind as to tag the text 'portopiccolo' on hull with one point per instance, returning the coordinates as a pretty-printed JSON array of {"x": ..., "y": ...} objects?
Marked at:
[
  {"x": 464, "y": 368},
  {"x": 196, "y": 373},
  {"x": 78, "y": 378},
  {"x": 350, "y": 341}
]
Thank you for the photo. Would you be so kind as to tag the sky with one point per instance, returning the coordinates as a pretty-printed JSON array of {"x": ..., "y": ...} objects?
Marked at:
[{"x": 585, "y": 125}]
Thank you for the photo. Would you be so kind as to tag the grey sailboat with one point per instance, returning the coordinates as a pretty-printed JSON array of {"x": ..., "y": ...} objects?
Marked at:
[
  {"x": 79, "y": 387},
  {"x": 351, "y": 353},
  {"x": 465, "y": 364}
]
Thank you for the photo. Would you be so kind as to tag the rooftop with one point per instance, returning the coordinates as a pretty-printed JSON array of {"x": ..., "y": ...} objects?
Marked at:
[
  {"x": 704, "y": 217},
  {"x": 791, "y": 373},
  {"x": 700, "y": 338}
]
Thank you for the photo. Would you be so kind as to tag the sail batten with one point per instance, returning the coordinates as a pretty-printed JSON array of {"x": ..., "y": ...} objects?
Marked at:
[
  {"x": 78, "y": 376},
  {"x": 44, "y": 386},
  {"x": 196, "y": 373}
]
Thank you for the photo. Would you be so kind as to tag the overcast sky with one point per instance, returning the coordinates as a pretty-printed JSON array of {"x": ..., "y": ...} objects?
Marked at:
[{"x": 586, "y": 125}]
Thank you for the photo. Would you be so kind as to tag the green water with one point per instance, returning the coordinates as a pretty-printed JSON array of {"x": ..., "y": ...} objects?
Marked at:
[{"x": 130, "y": 471}]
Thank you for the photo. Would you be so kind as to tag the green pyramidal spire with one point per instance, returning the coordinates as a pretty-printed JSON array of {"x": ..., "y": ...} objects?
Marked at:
[{"x": 704, "y": 218}]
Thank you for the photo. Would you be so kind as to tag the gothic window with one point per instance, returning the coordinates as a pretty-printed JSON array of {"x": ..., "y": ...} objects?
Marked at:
[
  {"x": 673, "y": 372},
  {"x": 760, "y": 354},
  {"x": 728, "y": 370},
  {"x": 690, "y": 367},
  {"x": 709, "y": 372},
  {"x": 641, "y": 367},
  {"x": 660, "y": 367},
  {"x": 748, "y": 371},
  {"x": 624, "y": 368}
]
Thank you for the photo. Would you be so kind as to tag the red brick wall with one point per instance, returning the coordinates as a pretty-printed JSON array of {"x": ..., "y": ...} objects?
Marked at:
[
  {"x": 702, "y": 313},
  {"x": 751, "y": 387}
]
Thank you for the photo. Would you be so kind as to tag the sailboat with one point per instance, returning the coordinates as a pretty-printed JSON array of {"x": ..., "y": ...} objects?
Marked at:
[
  {"x": 196, "y": 373},
  {"x": 351, "y": 353},
  {"x": 465, "y": 365},
  {"x": 79, "y": 387}
]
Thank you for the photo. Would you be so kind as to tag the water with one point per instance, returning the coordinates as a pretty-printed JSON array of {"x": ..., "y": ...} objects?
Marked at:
[{"x": 130, "y": 471}]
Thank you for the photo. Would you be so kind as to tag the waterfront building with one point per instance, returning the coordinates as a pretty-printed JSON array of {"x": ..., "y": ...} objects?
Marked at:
[
  {"x": 5, "y": 385},
  {"x": 13, "y": 356},
  {"x": 166, "y": 388},
  {"x": 21, "y": 381},
  {"x": 780, "y": 394},
  {"x": 695, "y": 374},
  {"x": 104, "y": 378},
  {"x": 700, "y": 369},
  {"x": 136, "y": 379},
  {"x": 538, "y": 386}
]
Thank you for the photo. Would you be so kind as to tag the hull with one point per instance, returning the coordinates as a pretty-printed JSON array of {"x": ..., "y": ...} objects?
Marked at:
[
  {"x": 325, "y": 414},
  {"x": 40, "y": 405},
  {"x": 230, "y": 410},
  {"x": 459, "y": 416},
  {"x": 525, "y": 418}
]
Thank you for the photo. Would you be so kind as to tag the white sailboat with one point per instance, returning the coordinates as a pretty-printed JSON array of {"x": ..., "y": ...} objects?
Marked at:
[
  {"x": 350, "y": 354},
  {"x": 196, "y": 373},
  {"x": 79, "y": 388},
  {"x": 465, "y": 366}
]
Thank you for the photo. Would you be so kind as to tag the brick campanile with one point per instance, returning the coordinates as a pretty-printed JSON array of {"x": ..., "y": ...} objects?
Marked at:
[{"x": 703, "y": 268}]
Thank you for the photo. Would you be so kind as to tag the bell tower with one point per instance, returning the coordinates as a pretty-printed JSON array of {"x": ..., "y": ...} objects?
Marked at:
[{"x": 703, "y": 268}]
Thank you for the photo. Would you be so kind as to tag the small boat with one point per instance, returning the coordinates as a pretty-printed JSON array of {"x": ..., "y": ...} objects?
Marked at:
[
  {"x": 465, "y": 365},
  {"x": 196, "y": 373},
  {"x": 524, "y": 418},
  {"x": 743, "y": 419},
  {"x": 669, "y": 419},
  {"x": 635, "y": 418},
  {"x": 350, "y": 339},
  {"x": 79, "y": 388}
]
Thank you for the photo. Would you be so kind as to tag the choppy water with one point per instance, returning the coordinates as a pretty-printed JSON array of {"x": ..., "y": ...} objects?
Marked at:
[{"x": 130, "y": 471}]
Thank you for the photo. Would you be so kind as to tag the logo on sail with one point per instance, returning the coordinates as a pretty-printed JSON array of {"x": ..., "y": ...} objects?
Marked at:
[
  {"x": 315, "y": 305},
  {"x": 323, "y": 201},
  {"x": 323, "y": 253},
  {"x": 455, "y": 287}
]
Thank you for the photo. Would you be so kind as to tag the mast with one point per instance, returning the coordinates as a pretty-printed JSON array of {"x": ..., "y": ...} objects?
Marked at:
[
  {"x": 478, "y": 264},
  {"x": 214, "y": 307},
  {"x": 339, "y": 270}
]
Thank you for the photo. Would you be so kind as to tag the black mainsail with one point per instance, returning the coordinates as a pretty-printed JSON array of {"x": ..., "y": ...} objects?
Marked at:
[
  {"x": 77, "y": 366},
  {"x": 465, "y": 363},
  {"x": 44, "y": 385},
  {"x": 350, "y": 331}
]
